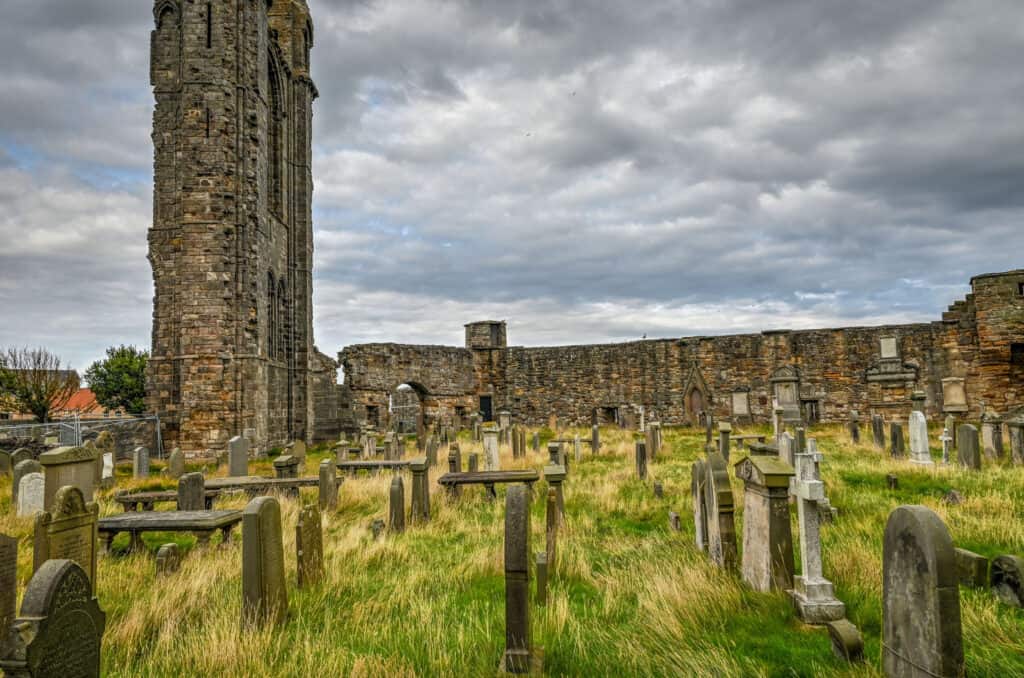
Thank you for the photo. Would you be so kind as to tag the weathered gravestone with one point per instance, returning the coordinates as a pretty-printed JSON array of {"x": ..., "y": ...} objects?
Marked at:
[
  {"x": 491, "y": 459},
  {"x": 551, "y": 528},
  {"x": 419, "y": 510},
  {"x": 536, "y": 442},
  {"x": 60, "y": 627},
  {"x": 854, "y": 427},
  {"x": 787, "y": 448},
  {"x": 896, "y": 446},
  {"x": 309, "y": 547},
  {"x": 947, "y": 443},
  {"x": 971, "y": 568},
  {"x": 168, "y": 559},
  {"x": 432, "y": 451},
  {"x": 8, "y": 589},
  {"x": 595, "y": 439},
  {"x": 968, "y": 453},
  {"x": 238, "y": 457},
  {"x": 719, "y": 503},
  {"x": 454, "y": 466},
  {"x": 812, "y": 594},
  {"x": 67, "y": 531},
  {"x": 140, "y": 462},
  {"x": 921, "y": 633},
  {"x": 396, "y": 505},
  {"x": 473, "y": 463},
  {"x": 192, "y": 492},
  {"x": 1016, "y": 441},
  {"x": 22, "y": 469},
  {"x": 767, "y": 538},
  {"x": 992, "y": 437},
  {"x": 31, "y": 489},
  {"x": 297, "y": 449},
  {"x": 698, "y": 479},
  {"x": 1007, "y": 580},
  {"x": 555, "y": 476},
  {"x": 724, "y": 431},
  {"x": 519, "y": 656},
  {"x": 542, "y": 578},
  {"x": 919, "y": 452},
  {"x": 847, "y": 642},
  {"x": 107, "y": 474},
  {"x": 19, "y": 455},
  {"x": 286, "y": 467},
  {"x": 878, "y": 431},
  {"x": 328, "y": 486},
  {"x": 176, "y": 464},
  {"x": 641, "y": 459},
  {"x": 68, "y": 466},
  {"x": 264, "y": 594}
]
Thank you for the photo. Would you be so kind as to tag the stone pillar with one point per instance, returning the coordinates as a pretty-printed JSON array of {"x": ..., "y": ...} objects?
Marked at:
[
  {"x": 878, "y": 431},
  {"x": 491, "y": 460},
  {"x": 420, "y": 510},
  {"x": 238, "y": 457},
  {"x": 720, "y": 507},
  {"x": 921, "y": 632},
  {"x": 917, "y": 401},
  {"x": 518, "y": 642},
  {"x": 767, "y": 538},
  {"x": 1016, "y": 442},
  {"x": 328, "y": 486},
  {"x": 812, "y": 594},
  {"x": 919, "y": 449},
  {"x": 396, "y": 510},
  {"x": 192, "y": 492},
  {"x": 641, "y": 459},
  {"x": 968, "y": 453},
  {"x": 698, "y": 479},
  {"x": 724, "y": 431},
  {"x": 555, "y": 476},
  {"x": 896, "y": 448},
  {"x": 595, "y": 438},
  {"x": 264, "y": 594}
]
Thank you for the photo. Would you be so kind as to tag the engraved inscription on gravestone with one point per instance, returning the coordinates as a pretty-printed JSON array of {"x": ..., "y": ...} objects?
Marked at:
[{"x": 68, "y": 531}]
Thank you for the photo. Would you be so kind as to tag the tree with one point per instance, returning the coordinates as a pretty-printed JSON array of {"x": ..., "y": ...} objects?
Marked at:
[
  {"x": 119, "y": 382},
  {"x": 32, "y": 380}
]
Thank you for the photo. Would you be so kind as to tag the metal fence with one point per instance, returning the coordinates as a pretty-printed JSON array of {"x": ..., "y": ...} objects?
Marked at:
[{"x": 72, "y": 431}]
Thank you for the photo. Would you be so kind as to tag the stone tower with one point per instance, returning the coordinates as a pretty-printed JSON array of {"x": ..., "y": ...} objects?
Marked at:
[{"x": 231, "y": 243}]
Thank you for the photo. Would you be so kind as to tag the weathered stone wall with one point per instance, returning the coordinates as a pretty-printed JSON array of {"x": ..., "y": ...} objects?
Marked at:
[
  {"x": 833, "y": 371},
  {"x": 231, "y": 239}
]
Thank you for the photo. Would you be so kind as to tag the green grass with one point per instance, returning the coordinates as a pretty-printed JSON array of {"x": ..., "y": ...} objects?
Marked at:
[{"x": 628, "y": 596}]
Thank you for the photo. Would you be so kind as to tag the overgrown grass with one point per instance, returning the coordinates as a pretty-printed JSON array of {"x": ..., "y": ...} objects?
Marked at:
[{"x": 628, "y": 597}]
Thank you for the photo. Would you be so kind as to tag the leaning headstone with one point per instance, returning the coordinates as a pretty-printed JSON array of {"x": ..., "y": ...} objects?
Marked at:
[
  {"x": 309, "y": 547},
  {"x": 812, "y": 594},
  {"x": 264, "y": 593},
  {"x": 396, "y": 505},
  {"x": 168, "y": 559},
  {"x": 698, "y": 479},
  {"x": 896, "y": 447},
  {"x": 328, "y": 486},
  {"x": 238, "y": 457},
  {"x": 641, "y": 459},
  {"x": 31, "y": 489},
  {"x": 64, "y": 466},
  {"x": 192, "y": 492},
  {"x": 519, "y": 657},
  {"x": 967, "y": 447},
  {"x": 60, "y": 628},
  {"x": 1007, "y": 580},
  {"x": 971, "y": 568},
  {"x": 720, "y": 507},
  {"x": 176, "y": 464},
  {"x": 878, "y": 431},
  {"x": 8, "y": 588},
  {"x": 419, "y": 511},
  {"x": 22, "y": 469},
  {"x": 767, "y": 538},
  {"x": 140, "y": 462},
  {"x": 919, "y": 452},
  {"x": 67, "y": 530},
  {"x": 491, "y": 459},
  {"x": 921, "y": 632}
]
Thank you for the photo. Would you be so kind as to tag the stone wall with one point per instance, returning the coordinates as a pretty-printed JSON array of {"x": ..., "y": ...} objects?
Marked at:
[{"x": 829, "y": 372}]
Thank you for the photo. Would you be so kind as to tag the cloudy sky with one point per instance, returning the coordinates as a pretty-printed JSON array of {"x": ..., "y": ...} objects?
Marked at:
[{"x": 588, "y": 171}]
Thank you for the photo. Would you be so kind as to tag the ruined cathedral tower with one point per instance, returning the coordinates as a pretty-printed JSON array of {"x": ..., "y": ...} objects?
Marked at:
[{"x": 231, "y": 243}]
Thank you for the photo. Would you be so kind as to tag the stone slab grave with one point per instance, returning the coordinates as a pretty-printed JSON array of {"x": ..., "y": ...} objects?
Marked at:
[
  {"x": 264, "y": 593},
  {"x": 921, "y": 630},
  {"x": 60, "y": 629},
  {"x": 22, "y": 469},
  {"x": 722, "y": 549},
  {"x": 67, "y": 531},
  {"x": 146, "y": 501},
  {"x": 767, "y": 538},
  {"x": 309, "y": 547},
  {"x": 31, "y": 489},
  {"x": 919, "y": 452},
  {"x": 489, "y": 478},
  {"x": 68, "y": 466},
  {"x": 200, "y": 523},
  {"x": 168, "y": 559},
  {"x": 8, "y": 589},
  {"x": 520, "y": 656}
]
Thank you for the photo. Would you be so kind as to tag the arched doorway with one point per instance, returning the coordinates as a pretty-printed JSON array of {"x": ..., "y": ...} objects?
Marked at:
[{"x": 405, "y": 408}]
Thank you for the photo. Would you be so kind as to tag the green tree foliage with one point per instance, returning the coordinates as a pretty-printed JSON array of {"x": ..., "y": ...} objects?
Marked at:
[
  {"x": 33, "y": 381},
  {"x": 119, "y": 381}
]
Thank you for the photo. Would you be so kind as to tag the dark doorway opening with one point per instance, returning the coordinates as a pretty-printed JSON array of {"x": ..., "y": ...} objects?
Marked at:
[{"x": 486, "y": 410}]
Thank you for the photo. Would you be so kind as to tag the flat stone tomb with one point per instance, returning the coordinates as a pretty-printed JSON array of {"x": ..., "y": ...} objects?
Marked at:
[
  {"x": 145, "y": 501},
  {"x": 488, "y": 478},
  {"x": 353, "y": 467},
  {"x": 201, "y": 523},
  {"x": 257, "y": 485}
]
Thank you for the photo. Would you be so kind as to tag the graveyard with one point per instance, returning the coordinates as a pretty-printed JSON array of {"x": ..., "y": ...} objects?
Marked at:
[{"x": 626, "y": 593}]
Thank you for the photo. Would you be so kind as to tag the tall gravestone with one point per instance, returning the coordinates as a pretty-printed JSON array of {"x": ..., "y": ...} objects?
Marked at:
[
  {"x": 8, "y": 589},
  {"x": 67, "y": 531},
  {"x": 698, "y": 478},
  {"x": 396, "y": 505},
  {"x": 22, "y": 469},
  {"x": 921, "y": 632},
  {"x": 60, "y": 628},
  {"x": 724, "y": 431},
  {"x": 947, "y": 443},
  {"x": 896, "y": 446},
  {"x": 309, "y": 547},
  {"x": 64, "y": 466},
  {"x": 812, "y": 594},
  {"x": 555, "y": 477},
  {"x": 518, "y": 656},
  {"x": 140, "y": 462},
  {"x": 787, "y": 448},
  {"x": 1016, "y": 441},
  {"x": 238, "y": 457},
  {"x": 641, "y": 459},
  {"x": 491, "y": 460},
  {"x": 720, "y": 507},
  {"x": 328, "y": 486},
  {"x": 176, "y": 464},
  {"x": 553, "y": 518},
  {"x": 919, "y": 451},
  {"x": 767, "y": 538},
  {"x": 968, "y": 453},
  {"x": 192, "y": 492},
  {"x": 419, "y": 510},
  {"x": 878, "y": 431},
  {"x": 264, "y": 594},
  {"x": 31, "y": 490}
]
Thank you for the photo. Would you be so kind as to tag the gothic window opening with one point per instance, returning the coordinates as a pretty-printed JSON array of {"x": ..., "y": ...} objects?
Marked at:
[
  {"x": 271, "y": 316},
  {"x": 275, "y": 139},
  {"x": 282, "y": 305},
  {"x": 209, "y": 25}
]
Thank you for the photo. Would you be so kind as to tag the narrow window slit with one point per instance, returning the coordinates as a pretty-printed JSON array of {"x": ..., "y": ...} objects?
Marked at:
[{"x": 209, "y": 25}]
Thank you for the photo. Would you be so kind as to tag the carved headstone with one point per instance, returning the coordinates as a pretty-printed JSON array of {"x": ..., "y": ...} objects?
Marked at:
[
  {"x": 31, "y": 489},
  {"x": 896, "y": 446},
  {"x": 168, "y": 559},
  {"x": 641, "y": 459},
  {"x": 264, "y": 594},
  {"x": 767, "y": 538},
  {"x": 309, "y": 547},
  {"x": 812, "y": 594},
  {"x": 22, "y": 469},
  {"x": 68, "y": 466},
  {"x": 968, "y": 453},
  {"x": 67, "y": 531},
  {"x": 60, "y": 628},
  {"x": 698, "y": 479},
  {"x": 919, "y": 452},
  {"x": 238, "y": 457},
  {"x": 192, "y": 492},
  {"x": 176, "y": 464},
  {"x": 328, "y": 486},
  {"x": 878, "y": 431},
  {"x": 396, "y": 506},
  {"x": 518, "y": 642},
  {"x": 720, "y": 507},
  {"x": 921, "y": 632}
]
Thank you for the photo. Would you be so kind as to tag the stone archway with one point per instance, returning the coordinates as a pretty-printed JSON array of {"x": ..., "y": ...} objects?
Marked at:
[
  {"x": 696, "y": 399},
  {"x": 406, "y": 407}
]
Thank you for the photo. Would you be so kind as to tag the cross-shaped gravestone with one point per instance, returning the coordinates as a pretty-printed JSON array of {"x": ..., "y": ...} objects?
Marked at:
[{"x": 947, "y": 442}]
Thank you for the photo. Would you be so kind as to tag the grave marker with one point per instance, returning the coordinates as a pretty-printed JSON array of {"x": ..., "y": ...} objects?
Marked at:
[
  {"x": 896, "y": 447},
  {"x": 264, "y": 594},
  {"x": 419, "y": 511},
  {"x": 698, "y": 479},
  {"x": 238, "y": 457},
  {"x": 518, "y": 656},
  {"x": 168, "y": 559},
  {"x": 1007, "y": 580},
  {"x": 491, "y": 460},
  {"x": 1016, "y": 427},
  {"x": 641, "y": 459},
  {"x": 192, "y": 492},
  {"x": 328, "y": 486},
  {"x": 176, "y": 464},
  {"x": 309, "y": 547},
  {"x": 919, "y": 452},
  {"x": 878, "y": 431},
  {"x": 718, "y": 501},
  {"x": 812, "y": 594},
  {"x": 967, "y": 447},
  {"x": 140, "y": 462},
  {"x": 67, "y": 531},
  {"x": 22, "y": 469},
  {"x": 31, "y": 489},
  {"x": 8, "y": 589},
  {"x": 68, "y": 466},
  {"x": 551, "y": 532},
  {"x": 767, "y": 539},
  {"x": 396, "y": 506}
]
